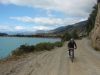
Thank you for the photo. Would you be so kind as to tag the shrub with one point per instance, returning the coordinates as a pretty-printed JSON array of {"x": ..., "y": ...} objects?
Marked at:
[
  {"x": 23, "y": 49},
  {"x": 44, "y": 46},
  {"x": 58, "y": 44},
  {"x": 17, "y": 52},
  {"x": 39, "y": 47},
  {"x": 66, "y": 37},
  {"x": 91, "y": 19},
  {"x": 75, "y": 34},
  {"x": 27, "y": 48}
]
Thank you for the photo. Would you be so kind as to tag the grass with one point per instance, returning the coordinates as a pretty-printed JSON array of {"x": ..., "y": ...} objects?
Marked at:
[
  {"x": 58, "y": 44},
  {"x": 44, "y": 46},
  {"x": 23, "y": 49}
]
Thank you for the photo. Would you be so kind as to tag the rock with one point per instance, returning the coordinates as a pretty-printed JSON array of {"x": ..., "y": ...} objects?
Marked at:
[{"x": 95, "y": 34}]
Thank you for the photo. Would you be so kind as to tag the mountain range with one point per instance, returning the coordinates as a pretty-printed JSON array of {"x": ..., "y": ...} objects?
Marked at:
[{"x": 80, "y": 27}]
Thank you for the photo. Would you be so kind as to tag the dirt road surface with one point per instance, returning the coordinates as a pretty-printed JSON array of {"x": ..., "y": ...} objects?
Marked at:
[{"x": 56, "y": 62}]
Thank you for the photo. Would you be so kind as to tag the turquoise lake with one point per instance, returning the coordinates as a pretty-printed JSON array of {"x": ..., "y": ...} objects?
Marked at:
[{"x": 8, "y": 44}]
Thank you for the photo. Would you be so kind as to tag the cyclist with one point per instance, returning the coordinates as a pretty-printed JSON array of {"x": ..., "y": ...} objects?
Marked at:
[{"x": 72, "y": 45}]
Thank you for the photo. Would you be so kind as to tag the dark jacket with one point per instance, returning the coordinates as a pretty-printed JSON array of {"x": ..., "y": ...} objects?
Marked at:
[
  {"x": 98, "y": 1},
  {"x": 72, "y": 44}
]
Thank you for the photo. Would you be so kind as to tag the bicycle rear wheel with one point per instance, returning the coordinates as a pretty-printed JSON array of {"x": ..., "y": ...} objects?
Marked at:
[{"x": 72, "y": 55}]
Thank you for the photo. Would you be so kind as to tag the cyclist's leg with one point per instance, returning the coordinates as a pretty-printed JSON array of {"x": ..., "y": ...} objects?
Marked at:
[
  {"x": 69, "y": 52},
  {"x": 73, "y": 53}
]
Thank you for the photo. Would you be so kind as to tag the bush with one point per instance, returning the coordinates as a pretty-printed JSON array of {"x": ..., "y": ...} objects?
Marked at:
[
  {"x": 66, "y": 37},
  {"x": 44, "y": 46},
  {"x": 58, "y": 44},
  {"x": 23, "y": 49},
  {"x": 39, "y": 47},
  {"x": 27, "y": 48},
  {"x": 75, "y": 35},
  {"x": 91, "y": 19},
  {"x": 17, "y": 52}
]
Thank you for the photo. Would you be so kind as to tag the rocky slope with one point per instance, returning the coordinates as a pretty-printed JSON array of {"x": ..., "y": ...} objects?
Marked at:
[{"x": 95, "y": 34}]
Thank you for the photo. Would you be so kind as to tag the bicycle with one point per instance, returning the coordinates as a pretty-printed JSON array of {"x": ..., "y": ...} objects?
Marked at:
[{"x": 71, "y": 54}]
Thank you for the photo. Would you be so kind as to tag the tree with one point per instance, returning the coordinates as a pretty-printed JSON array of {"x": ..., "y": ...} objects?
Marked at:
[
  {"x": 66, "y": 36},
  {"x": 75, "y": 34},
  {"x": 91, "y": 19}
]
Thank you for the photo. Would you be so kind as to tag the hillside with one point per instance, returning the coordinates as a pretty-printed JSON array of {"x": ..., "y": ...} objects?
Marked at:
[
  {"x": 3, "y": 34},
  {"x": 95, "y": 34},
  {"x": 79, "y": 27}
]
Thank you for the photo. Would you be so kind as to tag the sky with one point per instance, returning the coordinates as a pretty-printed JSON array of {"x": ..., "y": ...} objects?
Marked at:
[{"x": 33, "y": 15}]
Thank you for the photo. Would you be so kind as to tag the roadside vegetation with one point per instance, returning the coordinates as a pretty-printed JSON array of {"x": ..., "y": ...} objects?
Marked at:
[
  {"x": 23, "y": 49},
  {"x": 67, "y": 36},
  {"x": 91, "y": 19}
]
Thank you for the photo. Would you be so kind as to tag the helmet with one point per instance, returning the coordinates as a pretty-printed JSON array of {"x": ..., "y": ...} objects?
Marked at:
[{"x": 71, "y": 39}]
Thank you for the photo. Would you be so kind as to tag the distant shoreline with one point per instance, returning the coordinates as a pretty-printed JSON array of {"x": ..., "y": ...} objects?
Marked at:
[{"x": 32, "y": 36}]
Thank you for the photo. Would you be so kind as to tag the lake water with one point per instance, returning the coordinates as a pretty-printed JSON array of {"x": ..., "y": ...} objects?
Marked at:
[{"x": 8, "y": 44}]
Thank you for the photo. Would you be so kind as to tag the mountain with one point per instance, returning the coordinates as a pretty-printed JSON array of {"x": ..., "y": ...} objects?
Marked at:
[
  {"x": 41, "y": 31},
  {"x": 3, "y": 34},
  {"x": 79, "y": 27},
  {"x": 26, "y": 32},
  {"x": 20, "y": 32}
]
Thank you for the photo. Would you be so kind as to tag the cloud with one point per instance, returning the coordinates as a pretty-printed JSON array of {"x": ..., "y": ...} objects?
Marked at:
[
  {"x": 80, "y": 8},
  {"x": 21, "y": 28},
  {"x": 23, "y": 19},
  {"x": 31, "y": 28},
  {"x": 41, "y": 28},
  {"x": 48, "y": 20},
  {"x": 74, "y": 11},
  {"x": 5, "y": 28},
  {"x": 43, "y": 20}
]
